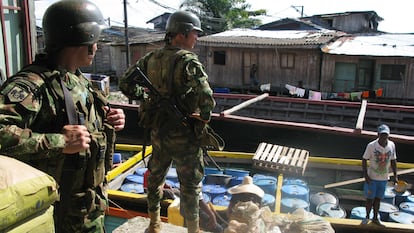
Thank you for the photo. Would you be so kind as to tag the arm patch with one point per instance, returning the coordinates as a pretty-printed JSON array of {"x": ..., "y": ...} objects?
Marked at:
[{"x": 17, "y": 94}]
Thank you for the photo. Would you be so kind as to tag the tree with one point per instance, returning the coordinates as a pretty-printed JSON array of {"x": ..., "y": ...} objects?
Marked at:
[{"x": 220, "y": 15}]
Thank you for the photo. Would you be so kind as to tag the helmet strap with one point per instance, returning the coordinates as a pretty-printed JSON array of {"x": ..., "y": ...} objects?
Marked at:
[{"x": 90, "y": 49}]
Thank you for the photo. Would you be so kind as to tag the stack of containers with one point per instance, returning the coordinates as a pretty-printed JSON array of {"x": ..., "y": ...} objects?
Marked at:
[
  {"x": 295, "y": 195},
  {"x": 268, "y": 184},
  {"x": 27, "y": 195}
]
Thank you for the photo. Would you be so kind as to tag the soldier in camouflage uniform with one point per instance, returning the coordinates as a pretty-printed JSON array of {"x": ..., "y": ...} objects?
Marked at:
[
  {"x": 53, "y": 119},
  {"x": 180, "y": 78}
]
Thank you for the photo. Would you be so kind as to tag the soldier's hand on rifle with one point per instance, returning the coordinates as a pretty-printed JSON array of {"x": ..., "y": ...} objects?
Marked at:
[
  {"x": 198, "y": 117},
  {"x": 115, "y": 117},
  {"x": 77, "y": 138}
]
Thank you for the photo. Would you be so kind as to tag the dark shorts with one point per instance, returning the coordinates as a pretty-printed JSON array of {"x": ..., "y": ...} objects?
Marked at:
[{"x": 375, "y": 189}]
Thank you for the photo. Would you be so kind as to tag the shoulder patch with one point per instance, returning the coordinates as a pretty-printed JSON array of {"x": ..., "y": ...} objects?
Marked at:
[{"x": 17, "y": 94}]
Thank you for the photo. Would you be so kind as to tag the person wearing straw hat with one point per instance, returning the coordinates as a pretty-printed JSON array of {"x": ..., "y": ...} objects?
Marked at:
[
  {"x": 244, "y": 192},
  {"x": 381, "y": 155}
]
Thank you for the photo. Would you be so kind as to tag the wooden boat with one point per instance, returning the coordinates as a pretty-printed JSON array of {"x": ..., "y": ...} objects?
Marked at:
[
  {"x": 334, "y": 175},
  {"x": 328, "y": 128}
]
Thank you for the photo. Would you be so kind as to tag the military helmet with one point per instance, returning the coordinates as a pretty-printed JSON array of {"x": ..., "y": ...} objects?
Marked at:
[
  {"x": 183, "y": 22},
  {"x": 72, "y": 23}
]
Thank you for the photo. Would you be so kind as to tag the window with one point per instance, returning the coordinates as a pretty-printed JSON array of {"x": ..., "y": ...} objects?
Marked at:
[
  {"x": 287, "y": 60},
  {"x": 392, "y": 72},
  {"x": 220, "y": 58}
]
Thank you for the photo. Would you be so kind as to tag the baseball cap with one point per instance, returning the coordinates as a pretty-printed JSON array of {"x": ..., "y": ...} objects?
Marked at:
[{"x": 383, "y": 129}]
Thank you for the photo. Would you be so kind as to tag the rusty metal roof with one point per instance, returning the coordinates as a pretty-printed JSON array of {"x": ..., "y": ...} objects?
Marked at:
[
  {"x": 262, "y": 38},
  {"x": 373, "y": 45}
]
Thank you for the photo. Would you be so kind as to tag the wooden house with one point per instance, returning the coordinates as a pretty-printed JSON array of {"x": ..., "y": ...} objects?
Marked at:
[{"x": 282, "y": 57}]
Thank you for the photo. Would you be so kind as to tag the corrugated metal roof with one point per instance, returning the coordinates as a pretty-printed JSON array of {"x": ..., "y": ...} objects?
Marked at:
[
  {"x": 262, "y": 38},
  {"x": 373, "y": 45}
]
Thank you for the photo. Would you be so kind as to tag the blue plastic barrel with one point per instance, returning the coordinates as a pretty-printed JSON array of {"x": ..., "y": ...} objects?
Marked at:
[
  {"x": 268, "y": 184},
  {"x": 236, "y": 172},
  {"x": 330, "y": 210},
  {"x": 134, "y": 179},
  {"x": 212, "y": 170},
  {"x": 322, "y": 197},
  {"x": 410, "y": 198},
  {"x": 214, "y": 190},
  {"x": 269, "y": 200},
  {"x": 141, "y": 171},
  {"x": 116, "y": 158},
  {"x": 235, "y": 181},
  {"x": 360, "y": 212},
  {"x": 206, "y": 197},
  {"x": 385, "y": 210},
  {"x": 407, "y": 207},
  {"x": 389, "y": 195},
  {"x": 401, "y": 197},
  {"x": 288, "y": 205},
  {"x": 132, "y": 188},
  {"x": 294, "y": 181},
  {"x": 402, "y": 217},
  {"x": 172, "y": 174},
  {"x": 222, "y": 200},
  {"x": 295, "y": 191}
]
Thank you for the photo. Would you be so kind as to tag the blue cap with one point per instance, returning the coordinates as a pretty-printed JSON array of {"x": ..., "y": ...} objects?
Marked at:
[{"x": 384, "y": 129}]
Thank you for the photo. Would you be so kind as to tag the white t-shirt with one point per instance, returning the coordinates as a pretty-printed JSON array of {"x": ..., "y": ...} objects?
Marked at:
[{"x": 379, "y": 159}]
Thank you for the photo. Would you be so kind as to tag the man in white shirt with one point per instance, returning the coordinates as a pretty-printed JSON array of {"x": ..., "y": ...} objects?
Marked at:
[{"x": 381, "y": 154}]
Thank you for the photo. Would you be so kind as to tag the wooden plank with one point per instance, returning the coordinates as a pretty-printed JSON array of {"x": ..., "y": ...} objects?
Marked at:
[
  {"x": 306, "y": 162},
  {"x": 361, "y": 115},
  {"x": 295, "y": 158},
  {"x": 259, "y": 151},
  {"x": 277, "y": 154},
  {"x": 357, "y": 180},
  {"x": 244, "y": 104},
  {"x": 272, "y": 153},
  {"x": 266, "y": 152}
]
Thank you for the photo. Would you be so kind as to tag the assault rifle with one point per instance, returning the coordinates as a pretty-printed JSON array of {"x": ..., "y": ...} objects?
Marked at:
[{"x": 143, "y": 80}]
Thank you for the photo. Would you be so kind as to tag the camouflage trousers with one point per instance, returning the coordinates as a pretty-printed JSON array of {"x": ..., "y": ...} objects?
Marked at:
[
  {"x": 177, "y": 147},
  {"x": 85, "y": 214}
]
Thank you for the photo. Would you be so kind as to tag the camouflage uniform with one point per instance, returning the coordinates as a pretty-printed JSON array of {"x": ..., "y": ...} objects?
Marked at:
[
  {"x": 32, "y": 115},
  {"x": 180, "y": 77}
]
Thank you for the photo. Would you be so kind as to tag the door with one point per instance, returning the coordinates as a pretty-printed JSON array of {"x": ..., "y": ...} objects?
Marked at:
[
  {"x": 365, "y": 74},
  {"x": 345, "y": 76},
  {"x": 249, "y": 58}
]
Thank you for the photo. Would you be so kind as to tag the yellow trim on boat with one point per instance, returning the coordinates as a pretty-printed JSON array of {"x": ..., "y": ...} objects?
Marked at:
[{"x": 129, "y": 163}]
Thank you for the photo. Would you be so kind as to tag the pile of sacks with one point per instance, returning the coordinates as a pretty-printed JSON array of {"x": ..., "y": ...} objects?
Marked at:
[
  {"x": 27, "y": 195},
  {"x": 247, "y": 217}
]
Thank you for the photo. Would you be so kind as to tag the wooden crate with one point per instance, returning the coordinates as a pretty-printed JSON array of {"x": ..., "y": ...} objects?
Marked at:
[{"x": 280, "y": 158}]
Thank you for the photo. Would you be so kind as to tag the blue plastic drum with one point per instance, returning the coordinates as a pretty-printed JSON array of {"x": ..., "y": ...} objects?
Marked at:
[
  {"x": 267, "y": 184},
  {"x": 134, "y": 179},
  {"x": 322, "y": 197},
  {"x": 360, "y": 212},
  {"x": 295, "y": 191},
  {"x": 410, "y": 198},
  {"x": 288, "y": 205},
  {"x": 402, "y": 217},
  {"x": 401, "y": 197},
  {"x": 222, "y": 200},
  {"x": 206, "y": 197},
  {"x": 212, "y": 170},
  {"x": 386, "y": 209},
  {"x": 132, "y": 188},
  {"x": 407, "y": 207},
  {"x": 389, "y": 195},
  {"x": 330, "y": 210},
  {"x": 141, "y": 171},
  {"x": 214, "y": 190},
  {"x": 172, "y": 174},
  {"x": 235, "y": 181},
  {"x": 269, "y": 200},
  {"x": 236, "y": 172},
  {"x": 294, "y": 181},
  {"x": 116, "y": 158}
]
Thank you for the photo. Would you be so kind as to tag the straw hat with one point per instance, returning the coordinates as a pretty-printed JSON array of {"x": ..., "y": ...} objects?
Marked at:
[{"x": 247, "y": 186}]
